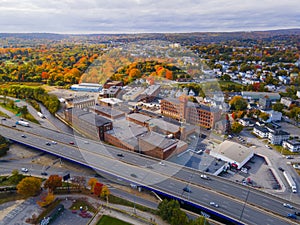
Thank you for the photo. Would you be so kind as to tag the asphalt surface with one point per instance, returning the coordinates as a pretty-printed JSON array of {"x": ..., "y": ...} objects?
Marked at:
[{"x": 169, "y": 179}]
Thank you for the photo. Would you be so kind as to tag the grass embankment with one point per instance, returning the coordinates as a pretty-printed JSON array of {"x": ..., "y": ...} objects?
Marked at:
[{"x": 111, "y": 221}]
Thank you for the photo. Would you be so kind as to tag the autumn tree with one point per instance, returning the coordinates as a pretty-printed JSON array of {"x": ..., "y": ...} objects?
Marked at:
[
  {"x": 264, "y": 116},
  {"x": 98, "y": 189},
  {"x": 91, "y": 183},
  {"x": 105, "y": 193},
  {"x": 53, "y": 182},
  {"x": 236, "y": 127},
  {"x": 29, "y": 186},
  {"x": 46, "y": 200},
  {"x": 278, "y": 107}
]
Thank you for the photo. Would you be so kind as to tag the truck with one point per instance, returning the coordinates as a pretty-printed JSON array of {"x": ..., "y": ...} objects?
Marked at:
[
  {"x": 22, "y": 123},
  {"x": 290, "y": 181},
  {"x": 41, "y": 115}
]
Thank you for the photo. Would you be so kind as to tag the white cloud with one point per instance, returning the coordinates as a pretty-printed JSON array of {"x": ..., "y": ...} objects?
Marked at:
[{"x": 95, "y": 16}]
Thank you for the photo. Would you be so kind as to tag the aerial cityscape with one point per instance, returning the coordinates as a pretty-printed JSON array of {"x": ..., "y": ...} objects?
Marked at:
[{"x": 149, "y": 112}]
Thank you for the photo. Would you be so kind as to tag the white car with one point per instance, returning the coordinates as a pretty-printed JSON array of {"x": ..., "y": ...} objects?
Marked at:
[
  {"x": 54, "y": 142},
  {"x": 288, "y": 205},
  {"x": 25, "y": 170},
  {"x": 161, "y": 163},
  {"x": 267, "y": 146},
  {"x": 214, "y": 204}
]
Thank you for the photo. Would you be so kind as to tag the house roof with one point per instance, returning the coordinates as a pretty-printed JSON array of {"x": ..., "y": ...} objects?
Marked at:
[
  {"x": 233, "y": 151},
  {"x": 158, "y": 140}
]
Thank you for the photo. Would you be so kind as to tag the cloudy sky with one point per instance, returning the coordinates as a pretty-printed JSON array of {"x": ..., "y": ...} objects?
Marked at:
[{"x": 132, "y": 16}]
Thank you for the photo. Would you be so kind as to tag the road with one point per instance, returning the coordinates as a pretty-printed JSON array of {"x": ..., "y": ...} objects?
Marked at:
[{"x": 169, "y": 179}]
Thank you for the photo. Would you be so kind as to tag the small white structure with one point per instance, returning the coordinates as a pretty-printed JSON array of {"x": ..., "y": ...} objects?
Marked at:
[
  {"x": 291, "y": 145},
  {"x": 233, "y": 153}
]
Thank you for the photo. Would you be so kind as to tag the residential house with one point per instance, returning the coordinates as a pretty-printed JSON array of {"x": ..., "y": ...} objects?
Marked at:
[
  {"x": 291, "y": 145},
  {"x": 261, "y": 131},
  {"x": 278, "y": 136}
]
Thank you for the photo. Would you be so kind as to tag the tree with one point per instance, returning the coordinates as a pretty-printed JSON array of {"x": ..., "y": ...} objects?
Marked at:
[
  {"x": 264, "y": 116},
  {"x": 105, "y": 193},
  {"x": 225, "y": 77},
  {"x": 53, "y": 182},
  {"x": 29, "y": 186},
  {"x": 278, "y": 107},
  {"x": 199, "y": 221},
  {"x": 48, "y": 199},
  {"x": 238, "y": 103},
  {"x": 98, "y": 189},
  {"x": 236, "y": 127},
  {"x": 92, "y": 182}
]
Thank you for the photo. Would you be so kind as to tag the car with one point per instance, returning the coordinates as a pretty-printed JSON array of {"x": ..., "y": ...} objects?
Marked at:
[
  {"x": 289, "y": 157},
  {"x": 44, "y": 173},
  {"x": 280, "y": 168},
  {"x": 54, "y": 142},
  {"x": 120, "y": 155},
  {"x": 214, "y": 204},
  {"x": 86, "y": 142},
  {"x": 23, "y": 136},
  {"x": 25, "y": 170},
  {"x": 291, "y": 215},
  {"x": 287, "y": 205},
  {"x": 47, "y": 143},
  {"x": 203, "y": 176},
  {"x": 162, "y": 163},
  {"x": 187, "y": 189},
  {"x": 297, "y": 213},
  {"x": 14, "y": 126},
  {"x": 267, "y": 146},
  {"x": 71, "y": 143}
]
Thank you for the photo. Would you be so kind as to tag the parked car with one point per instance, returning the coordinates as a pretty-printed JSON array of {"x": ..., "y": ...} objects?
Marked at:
[
  {"x": 267, "y": 146},
  {"x": 282, "y": 170},
  {"x": 289, "y": 157}
]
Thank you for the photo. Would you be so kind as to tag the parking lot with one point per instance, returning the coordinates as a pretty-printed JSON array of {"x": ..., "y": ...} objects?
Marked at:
[{"x": 258, "y": 175}]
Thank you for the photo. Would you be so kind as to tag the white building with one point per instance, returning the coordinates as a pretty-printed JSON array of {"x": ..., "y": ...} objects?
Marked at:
[
  {"x": 262, "y": 132},
  {"x": 233, "y": 153},
  {"x": 298, "y": 94},
  {"x": 273, "y": 116},
  {"x": 291, "y": 145},
  {"x": 277, "y": 137}
]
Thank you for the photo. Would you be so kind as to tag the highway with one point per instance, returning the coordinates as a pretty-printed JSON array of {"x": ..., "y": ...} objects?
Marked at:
[{"x": 236, "y": 201}]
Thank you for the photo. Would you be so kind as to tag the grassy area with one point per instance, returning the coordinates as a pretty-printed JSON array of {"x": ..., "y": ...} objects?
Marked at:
[
  {"x": 283, "y": 151},
  {"x": 80, "y": 202},
  {"x": 4, "y": 115},
  {"x": 8, "y": 197},
  {"x": 28, "y": 116},
  {"x": 120, "y": 201},
  {"x": 48, "y": 209},
  {"x": 11, "y": 180},
  {"x": 111, "y": 221}
]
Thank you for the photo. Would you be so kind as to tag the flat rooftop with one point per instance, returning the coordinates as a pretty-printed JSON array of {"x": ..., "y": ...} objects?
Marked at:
[
  {"x": 163, "y": 125},
  {"x": 139, "y": 117},
  {"x": 158, "y": 140}
]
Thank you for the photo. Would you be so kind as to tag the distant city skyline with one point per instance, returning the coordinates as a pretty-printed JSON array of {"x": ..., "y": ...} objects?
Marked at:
[{"x": 147, "y": 16}]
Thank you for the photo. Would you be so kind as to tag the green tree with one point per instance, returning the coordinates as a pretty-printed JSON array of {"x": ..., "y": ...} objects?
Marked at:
[
  {"x": 29, "y": 186},
  {"x": 225, "y": 77},
  {"x": 238, "y": 103},
  {"x": 236, "y": 128},
  {"x": 278, "y": 107}
]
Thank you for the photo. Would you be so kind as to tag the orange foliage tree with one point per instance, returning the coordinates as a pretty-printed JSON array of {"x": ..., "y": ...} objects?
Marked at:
[{"x": 53, "y": 182}]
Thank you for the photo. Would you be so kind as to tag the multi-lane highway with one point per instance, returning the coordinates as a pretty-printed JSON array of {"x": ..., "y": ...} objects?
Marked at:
[{"x": 239, "y": 202}]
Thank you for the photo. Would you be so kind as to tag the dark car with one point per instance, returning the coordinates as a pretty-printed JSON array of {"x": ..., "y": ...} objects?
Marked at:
[
  {"x": 44, "y": 173},
  {"x": 120, "y": 155},
  {"x": 187, "y": 189},
  {"x": 71, "y": 143},
  {"x": 47, "y": 143},
  {"x": 282, "y": 170},
  {"x": 292, "y": 216},
  {"x": 297, "y": 213}
]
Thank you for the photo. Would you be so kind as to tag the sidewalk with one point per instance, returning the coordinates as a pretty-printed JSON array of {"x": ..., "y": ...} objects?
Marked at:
[{"x": 121, "y": 212}]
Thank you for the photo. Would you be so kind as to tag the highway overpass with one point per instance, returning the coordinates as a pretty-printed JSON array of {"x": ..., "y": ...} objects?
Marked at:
[{"x": 238, "y": 203}]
